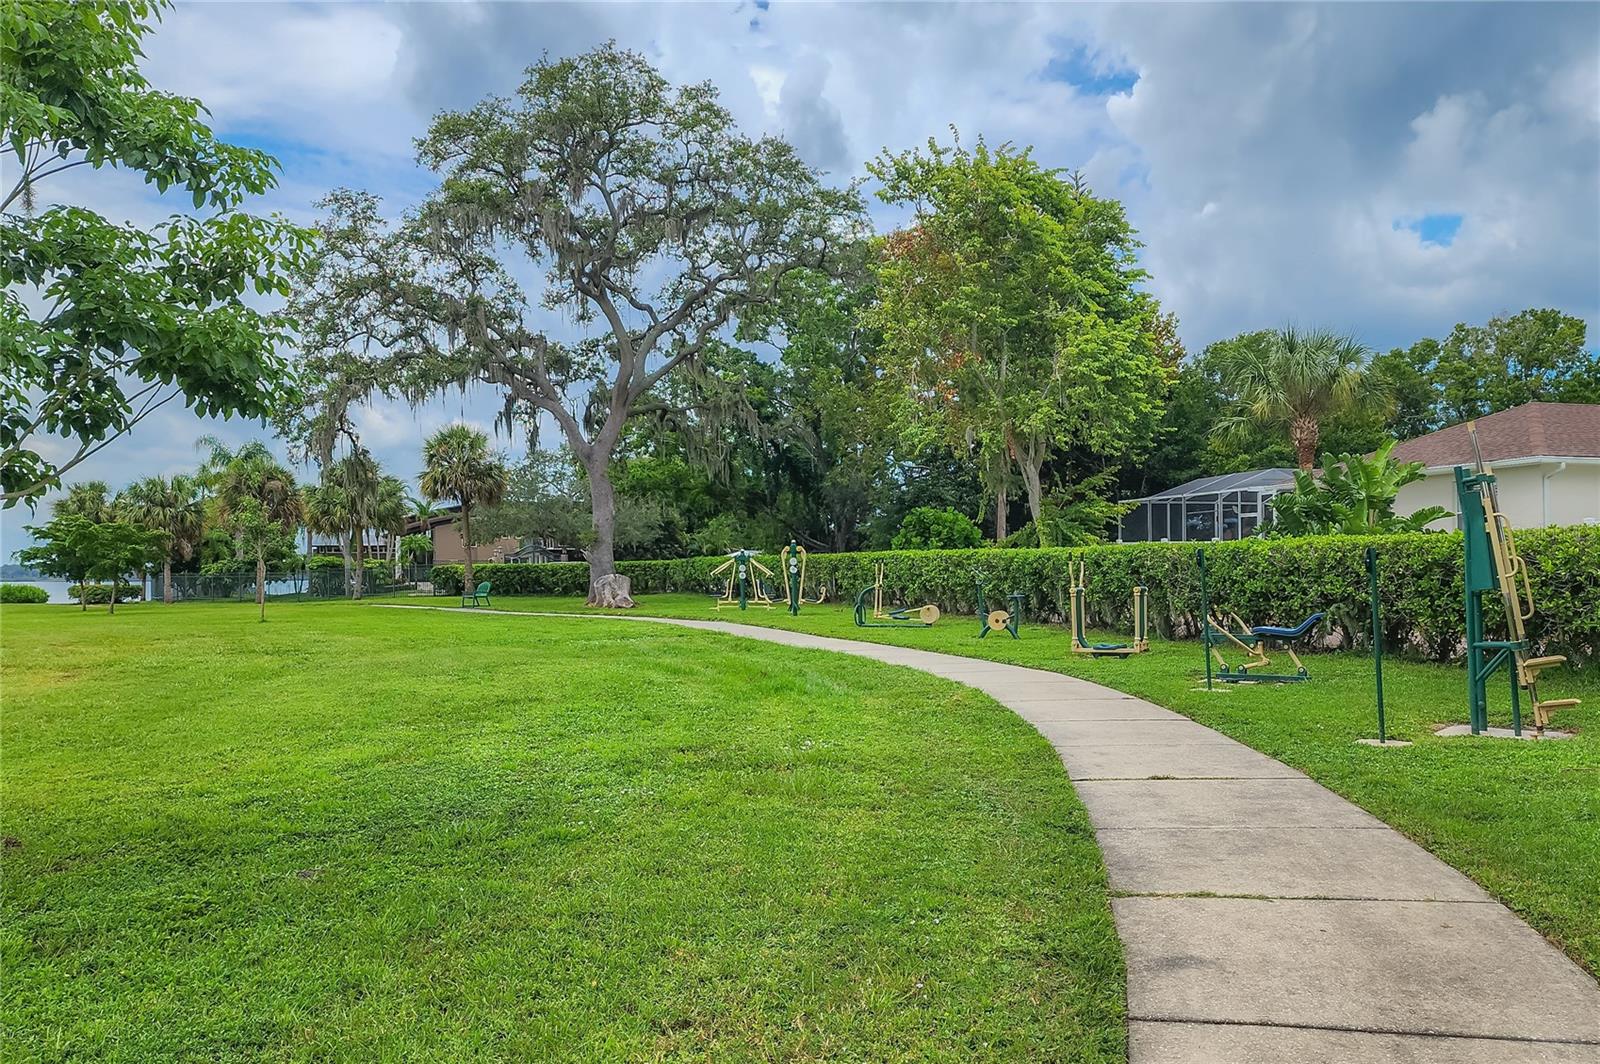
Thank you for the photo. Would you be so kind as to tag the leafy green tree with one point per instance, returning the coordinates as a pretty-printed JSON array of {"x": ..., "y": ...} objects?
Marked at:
[
  {"x": 66, "y": 547},
  {"x": 928, "y": 529},
  {"x": 458, "y": 465},
  {"x": 171, "y": 507},
  {"x": 122, "y": 548},
  {"x": 89, "y": 499},
  {"x": 1407, "y": 374},
  {"x": 1532, "y": 356},
  {"x": 1011, "y": 311},
  {"x": 414, "y": 547},
  {"x": 1354, "y": 496},
  {"x": 128, "y": 318},
  {"x": 650, "y": 216},
  {"x": 261, "y": 507},
  {"x": 1296, "y": 382}
]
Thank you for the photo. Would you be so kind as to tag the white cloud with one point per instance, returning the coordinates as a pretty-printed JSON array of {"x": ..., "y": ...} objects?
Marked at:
[{"x": 1265, "y": 151}]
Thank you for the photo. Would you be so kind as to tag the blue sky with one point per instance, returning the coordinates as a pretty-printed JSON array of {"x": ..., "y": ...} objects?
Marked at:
[{"x": 1388, "y": 170}]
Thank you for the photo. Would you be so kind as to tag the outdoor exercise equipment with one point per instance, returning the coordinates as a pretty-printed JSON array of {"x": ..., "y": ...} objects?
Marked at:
[
  {"x": 904, "y": 617},
  {"x": 742, "y": 587},
  {"x": 792, "y": 560},
  {"x": 1253, "y": 641},
  {"x": 999, "y": 620},
  {"x": 1377, "y": 636},
  {"x": 1493, "y": 565},
  {"x": 1078, "y": 615}
]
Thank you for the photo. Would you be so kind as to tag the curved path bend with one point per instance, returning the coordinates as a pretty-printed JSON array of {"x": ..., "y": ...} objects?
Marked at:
[{"x": 1265, "y": 919}]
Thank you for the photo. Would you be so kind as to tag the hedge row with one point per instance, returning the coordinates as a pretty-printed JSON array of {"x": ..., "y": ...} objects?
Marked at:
[
  {"x": 1277, "y": 580},
  {"x": 100, "y": 594},
  {"x": 27, "y": 593}
]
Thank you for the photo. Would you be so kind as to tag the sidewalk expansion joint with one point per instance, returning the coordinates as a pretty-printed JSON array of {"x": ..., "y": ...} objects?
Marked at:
[{"x": 1355, "y": 1029}]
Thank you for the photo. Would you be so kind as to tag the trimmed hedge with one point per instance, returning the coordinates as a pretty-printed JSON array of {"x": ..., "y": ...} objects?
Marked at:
[
  {"x": 1262, "y": 580},
  {"x": 23, "y": 593},
  {"x": 100, "y": 594}
]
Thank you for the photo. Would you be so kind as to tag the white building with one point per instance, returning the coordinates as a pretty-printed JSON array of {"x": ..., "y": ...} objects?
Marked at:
[{"x": 1545, "y": 458}]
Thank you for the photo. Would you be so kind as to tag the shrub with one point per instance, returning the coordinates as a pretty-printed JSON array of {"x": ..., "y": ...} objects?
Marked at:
[
  {"x": 23, "y": 593},
  {"x": 926, "y": 528},
  {"x": 100, "y": 594},
  {"x": 1262, "y": 580}
]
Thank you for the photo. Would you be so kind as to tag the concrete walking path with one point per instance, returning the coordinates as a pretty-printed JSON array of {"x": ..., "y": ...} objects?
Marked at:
[{"x": 1264, "y": 918}]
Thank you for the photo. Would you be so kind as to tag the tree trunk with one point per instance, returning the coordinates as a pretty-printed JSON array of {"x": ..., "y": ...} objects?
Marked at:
[
  {"x": 83, "y": 593},
  {"x": 113, "y": 601},
  {"x": 466, "y": 540},
  {"x": 606, "y": 588},
  {"x": 344, "y": 554},
  {"x": 361, "y": 563},
  {"x": 166, "y": 581},
  {"x": 1032, "y": 482},
  {"x": 1000, "y": 505},
  {"x": 1304, "y": 433},
  {"x": 261, "y": 584}
]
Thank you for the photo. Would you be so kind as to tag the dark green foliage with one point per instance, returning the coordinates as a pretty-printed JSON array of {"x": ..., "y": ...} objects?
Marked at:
[
  {"x": 1280, "y": 580},
  {"x": 23, "y": 593},
  {"x": 100, "y": 594},
  {"x": 134, "y": 316},
  {"x": 1354, "y": 496},
  {"x": 926, "y": 528}
]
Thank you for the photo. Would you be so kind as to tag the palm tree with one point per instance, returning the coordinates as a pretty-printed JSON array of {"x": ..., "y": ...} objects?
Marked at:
[
  {"x": 457, "y": 464},
  {"x": 1297, "y": 381},
  {"x": 389, "y": 513},
  {"x": 327, "y": 513},
  {"x": 88, "y": 499},
  {"x": 171, "y": 507},
  {"x": 256, "y": 496}
]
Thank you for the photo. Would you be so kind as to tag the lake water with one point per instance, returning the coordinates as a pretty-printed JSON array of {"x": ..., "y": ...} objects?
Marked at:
[{"x": 58, "y": 588}]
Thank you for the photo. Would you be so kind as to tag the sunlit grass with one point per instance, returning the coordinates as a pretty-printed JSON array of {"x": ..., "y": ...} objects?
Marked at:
[
  {"x": 361, "y": 833},
  {"x": 1523, "y": 819}
]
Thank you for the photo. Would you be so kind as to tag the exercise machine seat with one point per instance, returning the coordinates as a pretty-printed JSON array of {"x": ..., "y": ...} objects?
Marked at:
[{"x": 1298, "y": 631}]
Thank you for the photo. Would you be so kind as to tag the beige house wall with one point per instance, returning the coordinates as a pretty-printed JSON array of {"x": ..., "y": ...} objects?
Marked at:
[
  {"x": 1531, "y": 495},
  {"x": 448, "y": 547}
]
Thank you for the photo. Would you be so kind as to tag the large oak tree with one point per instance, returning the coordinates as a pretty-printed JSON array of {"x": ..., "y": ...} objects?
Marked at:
[{"x": 650, "y": 220}]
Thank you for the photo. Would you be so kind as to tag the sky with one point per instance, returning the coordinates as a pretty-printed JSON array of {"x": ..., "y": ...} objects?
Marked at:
[{"x": 1386, "y": 170}]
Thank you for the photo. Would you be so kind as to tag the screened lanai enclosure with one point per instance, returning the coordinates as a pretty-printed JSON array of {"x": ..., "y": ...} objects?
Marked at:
[{"x": 1230, "y": 506}]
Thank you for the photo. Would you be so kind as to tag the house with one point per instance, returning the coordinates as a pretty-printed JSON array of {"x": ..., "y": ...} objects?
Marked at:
[
  {"x": 448, "y": 547},
  {"x": 1545, "y": 458}
]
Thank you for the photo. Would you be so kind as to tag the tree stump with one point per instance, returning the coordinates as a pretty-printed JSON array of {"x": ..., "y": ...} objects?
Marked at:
[{"x": 612, "y": 592}]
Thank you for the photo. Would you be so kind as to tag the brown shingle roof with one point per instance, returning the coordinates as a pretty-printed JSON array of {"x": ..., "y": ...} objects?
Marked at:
[{"x": 1563, "y": 430}]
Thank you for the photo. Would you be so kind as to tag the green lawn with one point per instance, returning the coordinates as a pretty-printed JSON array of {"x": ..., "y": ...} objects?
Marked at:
[
  {"x": 1523, "y": 819},
  {"x": 363, "y": 833}
]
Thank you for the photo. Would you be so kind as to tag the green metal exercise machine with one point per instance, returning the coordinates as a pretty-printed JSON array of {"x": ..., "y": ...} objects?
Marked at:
[
  {"x": 742, "y": 588},
  {"x": 1492, "y": 565},
  {"x": 999, "y": 620},
  {"x": 904, "y": 617},
  {"x": 1251, "y": 640},
  {"x": 1077, "y": 612},
  {"x": 792, "y": 560}
]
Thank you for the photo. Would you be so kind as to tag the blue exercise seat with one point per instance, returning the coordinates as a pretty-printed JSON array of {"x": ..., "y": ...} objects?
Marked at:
[{"x": 1272, "y": 631}]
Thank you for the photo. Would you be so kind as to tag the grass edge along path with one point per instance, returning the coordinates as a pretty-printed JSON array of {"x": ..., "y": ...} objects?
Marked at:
[
  {"x": 368, "y": 833},
  {"x": 1521, "y": 819}
]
